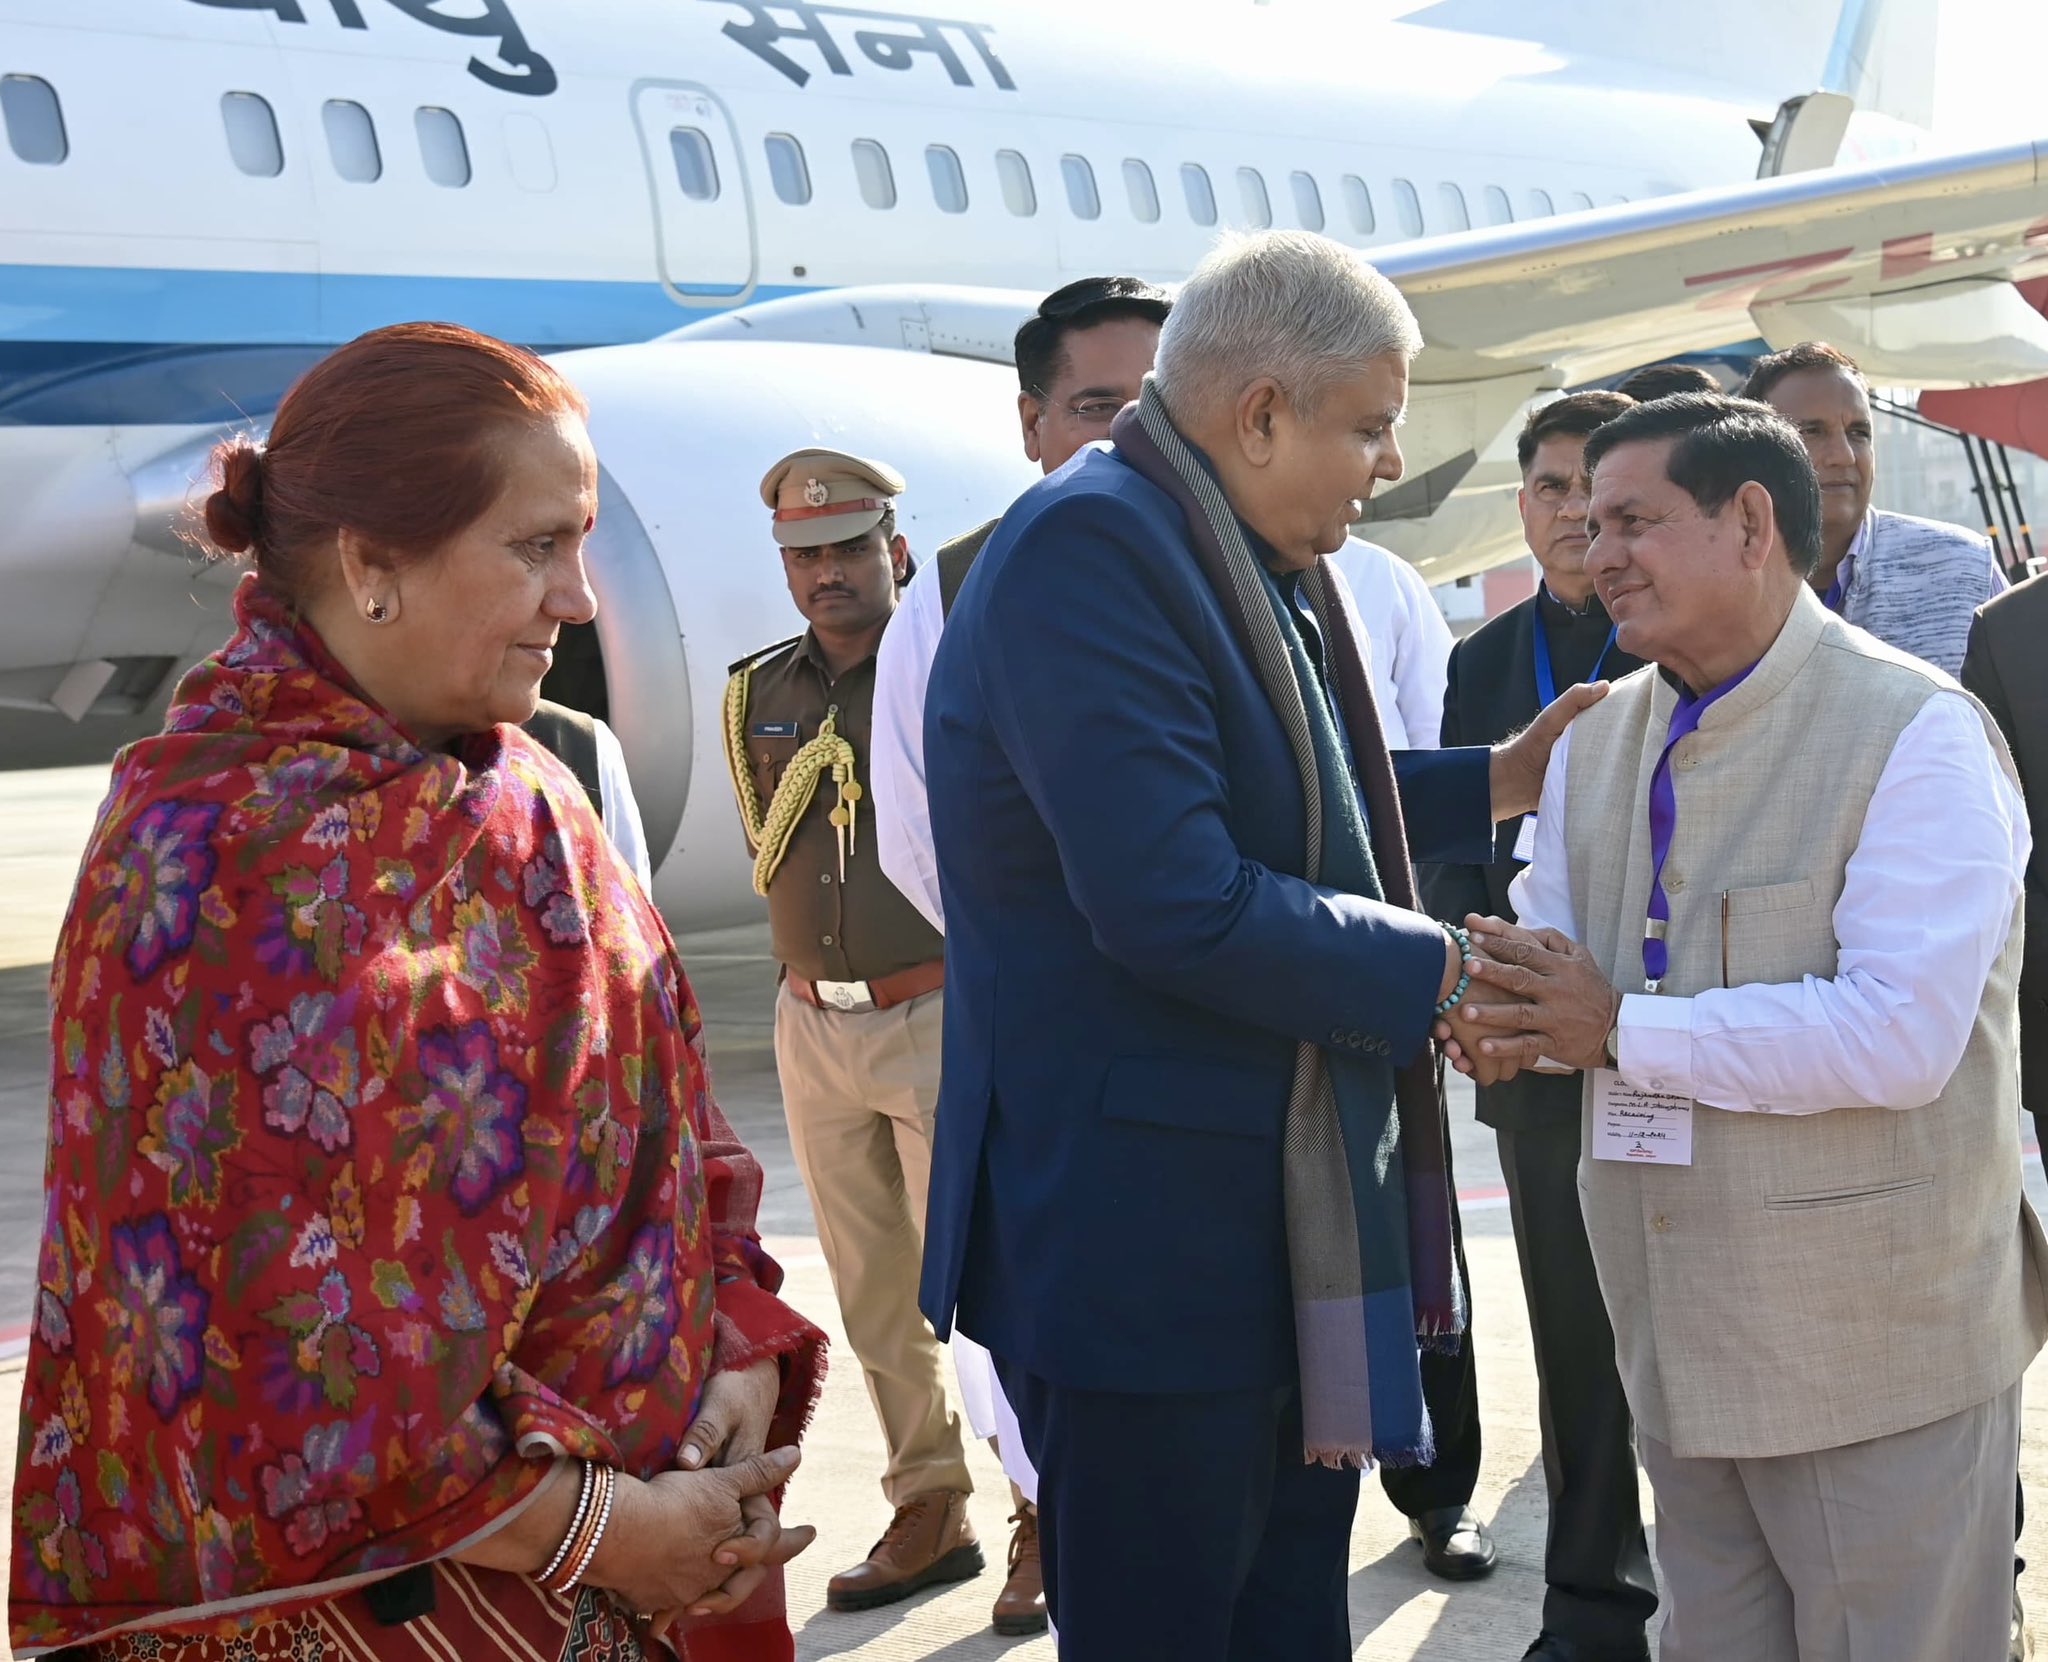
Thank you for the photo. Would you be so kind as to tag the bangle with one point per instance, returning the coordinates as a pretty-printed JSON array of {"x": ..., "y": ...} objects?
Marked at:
[
  {"x": 1462, "y": 940},
  {"x": 575, "y": 1522},
  {"x": 608, "y": 1483}
]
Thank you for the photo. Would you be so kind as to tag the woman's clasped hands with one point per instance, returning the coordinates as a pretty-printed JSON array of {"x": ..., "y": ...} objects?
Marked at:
[{"x": 699, "y": 1540}]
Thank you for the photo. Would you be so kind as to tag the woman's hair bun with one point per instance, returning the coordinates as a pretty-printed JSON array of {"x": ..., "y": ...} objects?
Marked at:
[{"x": 234, "y": 513}]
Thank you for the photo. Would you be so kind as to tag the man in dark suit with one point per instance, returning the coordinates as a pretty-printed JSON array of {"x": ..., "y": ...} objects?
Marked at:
[
  {"x": 1600, "y": 1589},
  {"x": 1185, "y": 980},
  {"x": 2006, "y": 668}
]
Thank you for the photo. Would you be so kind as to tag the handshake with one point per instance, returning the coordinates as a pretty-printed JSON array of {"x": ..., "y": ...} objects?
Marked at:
[{"x": 1536, "y": 1001}]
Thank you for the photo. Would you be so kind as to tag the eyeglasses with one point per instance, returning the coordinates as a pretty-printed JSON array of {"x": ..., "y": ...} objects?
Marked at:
[{"x": 1089, "y": 412}]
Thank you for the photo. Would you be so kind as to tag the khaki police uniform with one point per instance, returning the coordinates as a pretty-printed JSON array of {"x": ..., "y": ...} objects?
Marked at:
[{"x": 857, "y": 1016}]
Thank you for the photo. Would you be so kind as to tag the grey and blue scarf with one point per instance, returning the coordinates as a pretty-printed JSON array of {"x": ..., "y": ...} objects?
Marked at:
[{"x": 1367, "y": 1187}]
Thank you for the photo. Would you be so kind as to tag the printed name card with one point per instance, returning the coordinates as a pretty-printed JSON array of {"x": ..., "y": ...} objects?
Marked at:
[{"x": 1647, "y": 1128}]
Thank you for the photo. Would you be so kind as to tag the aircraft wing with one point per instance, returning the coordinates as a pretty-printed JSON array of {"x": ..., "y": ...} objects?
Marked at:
[{"x": 1907, "y": 266}]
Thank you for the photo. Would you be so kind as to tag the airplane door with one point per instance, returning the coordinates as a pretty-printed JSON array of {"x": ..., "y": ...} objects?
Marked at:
[{"x": 703, "y": 200}]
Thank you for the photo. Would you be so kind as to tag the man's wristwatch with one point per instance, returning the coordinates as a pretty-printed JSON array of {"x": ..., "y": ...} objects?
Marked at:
[{"x": 1614, "y": 1045}]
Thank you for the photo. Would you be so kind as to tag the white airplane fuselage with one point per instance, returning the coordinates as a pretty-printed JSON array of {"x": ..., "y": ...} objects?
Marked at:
[{"x": 198, "y": 197}]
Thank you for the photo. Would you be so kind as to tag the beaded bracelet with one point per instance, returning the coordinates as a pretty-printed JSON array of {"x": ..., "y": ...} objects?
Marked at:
[
  {"x": 608, "y": 1480},
  {"x": 575, "y": 1528},
  {"x": 1462, "y": 940}
]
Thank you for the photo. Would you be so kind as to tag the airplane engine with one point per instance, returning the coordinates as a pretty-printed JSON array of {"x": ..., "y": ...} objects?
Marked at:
[{"x": 687, "y": 576}]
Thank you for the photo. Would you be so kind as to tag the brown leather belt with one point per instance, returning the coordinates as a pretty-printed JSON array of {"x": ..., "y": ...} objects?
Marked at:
[{"x": 881, "y": 993}]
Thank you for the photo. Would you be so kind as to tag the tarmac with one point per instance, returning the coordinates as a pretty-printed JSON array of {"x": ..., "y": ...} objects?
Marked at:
[{"x": 1398, "y": 1611}]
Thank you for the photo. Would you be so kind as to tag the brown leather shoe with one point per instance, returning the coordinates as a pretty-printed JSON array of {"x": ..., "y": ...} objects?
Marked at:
[
  {"x": 927, "y": 1542},
  {"x": 1020, "y": 1609}
]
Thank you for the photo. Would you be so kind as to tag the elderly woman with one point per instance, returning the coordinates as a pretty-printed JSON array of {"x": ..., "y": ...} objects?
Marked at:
[
  {"x": 1171, "y": 840},
  {"x": 398, "y": 1285}
]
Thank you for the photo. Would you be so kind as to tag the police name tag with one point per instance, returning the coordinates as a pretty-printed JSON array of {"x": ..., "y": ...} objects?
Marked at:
[
  {"x": 1525, "y": 840},
  {"x": 1645, "y": 1128},
  {"x": 774, "y": 730}
]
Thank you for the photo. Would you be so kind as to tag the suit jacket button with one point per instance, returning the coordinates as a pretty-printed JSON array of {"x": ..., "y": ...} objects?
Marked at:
[
  {"x": 1336, "y": 1035},
  {"x": 1385, "y": 1049},
  {"x": 1661, "y": 1224}
]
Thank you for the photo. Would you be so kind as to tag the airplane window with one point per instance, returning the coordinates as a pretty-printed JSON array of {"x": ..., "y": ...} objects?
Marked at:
[
  {"x": 34, "y": 119},
  {"x": 443, "y": 150},
  {"x": 1081, "y": 193},
  {"x": 877, "y": 178},
  {"x": 1452, "y": 201},
  {"x": 1579, "y": 199},
  {"x": 787, "y": 170},
  {"x": 1539, "y": 205},
  {"x": 1308, "y": 201},
  {"x": 696, "y": 166},
  {"x": 1499, "y": 211},
  {"x": 949, "y": 184},
  {"x": 1195, "y": 186},
  {"x": 1143, "y": 192},
  {"x": 352, "y": 141},
  {"x": 252, "y": 134},
  {"x": 1407, "y": 208},
  {"x": 1251, "y": 192},
  {"x": 1358, "y": 204},
  {"x": 1020, "y": 195}
]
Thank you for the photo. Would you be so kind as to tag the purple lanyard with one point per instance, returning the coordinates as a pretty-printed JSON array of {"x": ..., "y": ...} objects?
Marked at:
[{"x": 1685, "y": 717}]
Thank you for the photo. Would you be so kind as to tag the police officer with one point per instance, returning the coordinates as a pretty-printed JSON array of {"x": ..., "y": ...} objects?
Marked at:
[{"x": 858, "y": 1014}]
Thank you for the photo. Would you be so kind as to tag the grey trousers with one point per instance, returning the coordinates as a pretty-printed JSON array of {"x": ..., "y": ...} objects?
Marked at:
[{"x": 1894, "y": 1550}]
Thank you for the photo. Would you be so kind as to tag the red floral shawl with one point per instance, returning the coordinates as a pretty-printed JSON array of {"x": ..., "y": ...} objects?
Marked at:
[{"x": 382, "y": 1153}]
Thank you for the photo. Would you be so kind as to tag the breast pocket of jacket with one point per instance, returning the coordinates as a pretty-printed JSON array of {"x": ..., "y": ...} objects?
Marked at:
[
  {"x": 1196, "y": 1093},
  {"x": 770, "y": 747},
  {"x": 1778, "y": 932}
]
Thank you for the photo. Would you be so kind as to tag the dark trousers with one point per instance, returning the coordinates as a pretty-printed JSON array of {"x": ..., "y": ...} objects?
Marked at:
[
  {"x": 1185, "y": 1527},
  {"x": 1599, "y": 1587},
  {"x": 1450, "y": 1389}
]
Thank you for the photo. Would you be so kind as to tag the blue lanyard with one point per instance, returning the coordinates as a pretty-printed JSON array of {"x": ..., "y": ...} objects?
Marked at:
[{"x": 1546, "y": 677}]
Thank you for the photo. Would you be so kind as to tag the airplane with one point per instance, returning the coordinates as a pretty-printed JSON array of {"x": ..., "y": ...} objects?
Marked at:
[{"x": 751, "y": 225}]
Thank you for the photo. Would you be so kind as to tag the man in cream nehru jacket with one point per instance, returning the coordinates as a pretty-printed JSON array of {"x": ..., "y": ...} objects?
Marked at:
[{"x": 1774, "y": 914}]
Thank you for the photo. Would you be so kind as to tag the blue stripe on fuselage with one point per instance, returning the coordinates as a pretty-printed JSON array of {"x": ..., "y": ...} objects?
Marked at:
[{"x": 94, "y": 345}]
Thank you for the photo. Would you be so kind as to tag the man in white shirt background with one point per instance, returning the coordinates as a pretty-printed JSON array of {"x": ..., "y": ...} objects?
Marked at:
[
  {"x": 1913, "y": 583},
  {"x": 1772, "y": 912},
  {"x": 1411, "y": 643}
]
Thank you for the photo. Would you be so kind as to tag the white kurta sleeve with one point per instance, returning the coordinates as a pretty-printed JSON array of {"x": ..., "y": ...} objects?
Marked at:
[
  {"x": 1541, "y": 893},
  {"x": 621, "y": 810},
  {"x": 903, "y": 821},
  {"x": 1422, "y": 658}
]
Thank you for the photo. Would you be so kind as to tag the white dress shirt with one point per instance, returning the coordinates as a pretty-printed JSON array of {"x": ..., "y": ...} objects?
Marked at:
[
  {"x": 903, "y": 818},
  {"x": 616, "y": 802},
  {"x": 1411, "y": 642},
  {"x": 1925, "y": 908}
]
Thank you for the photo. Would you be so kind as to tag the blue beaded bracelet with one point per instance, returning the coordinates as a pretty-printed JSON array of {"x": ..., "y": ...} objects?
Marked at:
[{"x": 1462, "y": 940}]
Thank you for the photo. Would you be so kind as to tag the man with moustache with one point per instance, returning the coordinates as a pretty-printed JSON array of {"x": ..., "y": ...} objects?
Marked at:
[
  {"x": 857, "y": 1015},
  {"x": 1600, "y": 1591},
  {"x": 1773, "y": 912},
  {"x": 1913, "y": 583}
]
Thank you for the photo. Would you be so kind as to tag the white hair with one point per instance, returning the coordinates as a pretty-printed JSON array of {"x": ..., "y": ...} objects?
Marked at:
[{"x": 1299, "y": 307}]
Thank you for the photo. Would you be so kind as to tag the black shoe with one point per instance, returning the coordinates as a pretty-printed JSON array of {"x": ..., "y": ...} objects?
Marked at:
[
  {"x": 1455, "y": 1544},
  {"x": 2022, "y": 1647},
  {"x": 1555, "y": 1647}
]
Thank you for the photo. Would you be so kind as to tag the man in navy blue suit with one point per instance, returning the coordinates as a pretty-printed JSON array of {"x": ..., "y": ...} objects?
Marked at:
[{"x": 1189, "y": 1183}]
